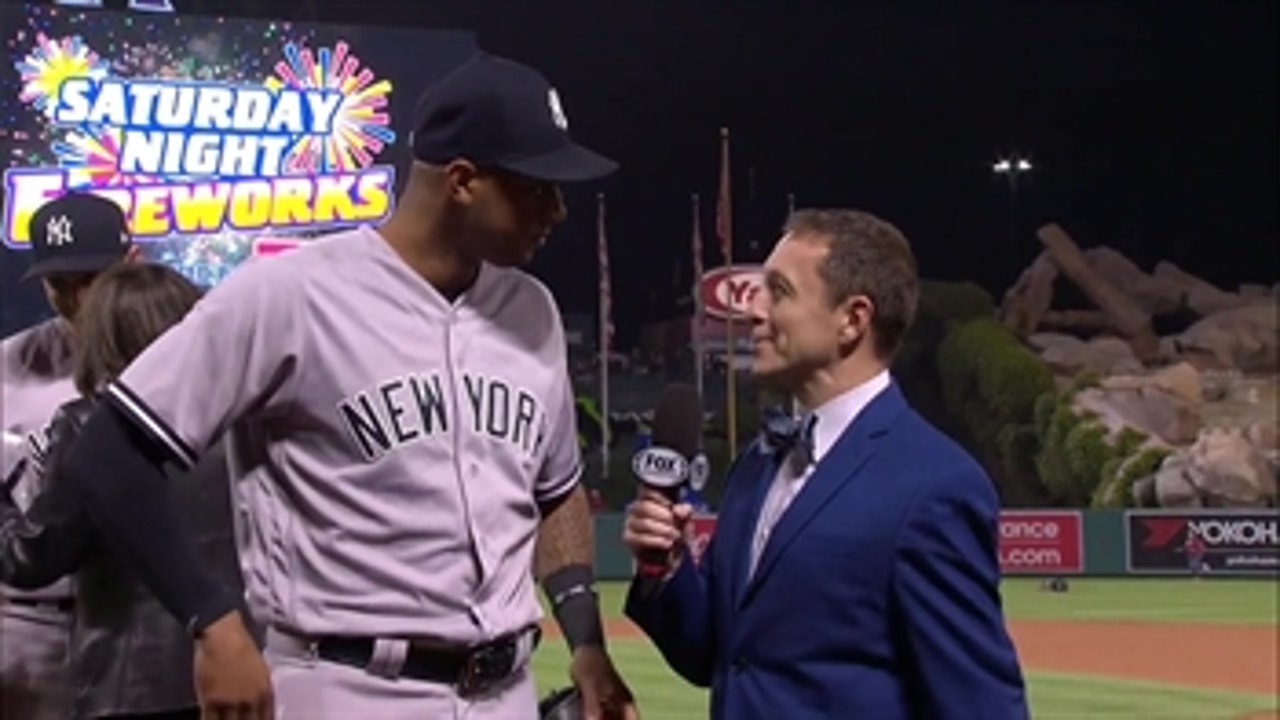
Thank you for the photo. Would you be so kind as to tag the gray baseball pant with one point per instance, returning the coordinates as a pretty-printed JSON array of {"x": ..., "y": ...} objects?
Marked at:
[
  {"x": 34, "y": 674},
  {"x": 307, "y": 688}
]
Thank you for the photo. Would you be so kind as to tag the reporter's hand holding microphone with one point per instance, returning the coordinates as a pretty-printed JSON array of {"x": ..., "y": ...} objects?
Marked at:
[{"x": 656, "y": 522}]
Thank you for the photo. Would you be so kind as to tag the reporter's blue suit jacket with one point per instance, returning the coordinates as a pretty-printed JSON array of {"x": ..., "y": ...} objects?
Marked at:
[{"x": 876, "y": 597}]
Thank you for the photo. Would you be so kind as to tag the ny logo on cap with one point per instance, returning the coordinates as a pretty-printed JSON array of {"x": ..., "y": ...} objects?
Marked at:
[
  {"x": 58, "y": 231},
  {"x": 557, "y": 110}
]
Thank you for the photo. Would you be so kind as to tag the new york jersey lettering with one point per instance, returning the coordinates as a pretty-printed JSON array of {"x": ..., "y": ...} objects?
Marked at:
[{"x": 412, "y": 408}]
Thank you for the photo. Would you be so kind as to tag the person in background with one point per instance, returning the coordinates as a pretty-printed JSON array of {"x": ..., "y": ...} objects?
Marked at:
[
  {"x": 853, "y": 571},
  {"x": 1195, "y": 549},
  {"x": 129, "y": 657},
  {"x": 73, "y": 237}
]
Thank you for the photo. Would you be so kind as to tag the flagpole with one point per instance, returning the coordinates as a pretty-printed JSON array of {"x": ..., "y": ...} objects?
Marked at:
[
  {"x": 724, "y": 228},
  {"x": 699, "y": 317},
  {"x": 606, "y": 330}
]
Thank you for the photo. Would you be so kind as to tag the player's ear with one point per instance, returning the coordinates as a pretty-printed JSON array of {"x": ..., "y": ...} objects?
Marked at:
[
  {"x": 133, "y": 254},
  {"x": 460, "y": 178}
]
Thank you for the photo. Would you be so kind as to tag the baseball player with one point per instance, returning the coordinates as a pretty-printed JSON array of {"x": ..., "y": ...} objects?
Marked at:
[
  {"x": 72, "y": 238},
  {"x": 401, "y": 430},
  {"x": 1195, "y": 548}
]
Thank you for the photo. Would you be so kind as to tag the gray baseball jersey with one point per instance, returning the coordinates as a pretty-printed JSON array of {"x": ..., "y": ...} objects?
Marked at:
[
  {"x": 389, "y": 447},
  {"x": 35, "y": 380}
]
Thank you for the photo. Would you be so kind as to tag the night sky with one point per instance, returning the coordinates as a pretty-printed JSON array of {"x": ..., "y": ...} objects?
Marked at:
[{"x": 1152, "y": 126}]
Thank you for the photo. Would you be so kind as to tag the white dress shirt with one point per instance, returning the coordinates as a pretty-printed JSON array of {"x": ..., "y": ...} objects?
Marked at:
[{"x": 830, "y": 420}]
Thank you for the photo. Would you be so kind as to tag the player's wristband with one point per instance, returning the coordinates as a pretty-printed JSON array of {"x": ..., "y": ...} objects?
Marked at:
[{"x": 576, "y": 606}]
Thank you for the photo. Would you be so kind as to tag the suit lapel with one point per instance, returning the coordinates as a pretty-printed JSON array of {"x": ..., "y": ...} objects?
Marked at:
[
  {"x": 763, "y": 471},
  {"x": 844, "y": 461}
]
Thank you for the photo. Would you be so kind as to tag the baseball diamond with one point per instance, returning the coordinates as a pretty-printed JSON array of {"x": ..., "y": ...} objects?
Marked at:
[{"x": 1103, "y": 651}]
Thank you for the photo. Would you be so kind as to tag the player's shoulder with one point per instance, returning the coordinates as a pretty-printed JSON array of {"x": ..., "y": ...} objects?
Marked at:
[
  {"x": 525, "y": 288},
  {"x": 38, "y": 347},
  {"x": 935, "y": 466},
  {"x": 290, "y": 271},
  {"x": 333, "y": 249}
]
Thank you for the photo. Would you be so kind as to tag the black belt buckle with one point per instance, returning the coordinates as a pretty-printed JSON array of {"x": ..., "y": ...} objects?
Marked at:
[{"x": 487, "y": 665}]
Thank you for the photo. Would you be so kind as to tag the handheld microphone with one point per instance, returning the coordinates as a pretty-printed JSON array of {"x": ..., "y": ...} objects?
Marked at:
[{"x": 672, "y": 458}]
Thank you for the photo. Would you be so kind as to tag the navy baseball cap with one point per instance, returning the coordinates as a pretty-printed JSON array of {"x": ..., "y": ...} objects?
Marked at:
[
  {"x": 495, "y": 111},
  {"x": 77, "y": 233}
]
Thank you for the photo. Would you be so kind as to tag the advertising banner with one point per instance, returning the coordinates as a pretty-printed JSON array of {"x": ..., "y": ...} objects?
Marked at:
[
  {"x": 209, "y": 132},
  {"x": 1235, "y": 542},
  {"x": 1032, "y": 542},
  {"x": 1041, "y": 542},
  {"x": 726, "y": 292}
]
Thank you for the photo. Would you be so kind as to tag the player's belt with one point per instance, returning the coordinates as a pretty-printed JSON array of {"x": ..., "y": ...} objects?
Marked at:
[{"x": 472, "y": 670}]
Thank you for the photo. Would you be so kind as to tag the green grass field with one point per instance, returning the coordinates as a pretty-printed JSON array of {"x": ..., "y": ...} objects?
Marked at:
[{"x": 1054, "y": 696}]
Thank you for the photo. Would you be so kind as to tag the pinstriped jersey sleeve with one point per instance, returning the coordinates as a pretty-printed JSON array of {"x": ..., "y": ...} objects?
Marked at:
[
  {"x": 237, "y": 351},
  {"x": 562, "y": 466}
]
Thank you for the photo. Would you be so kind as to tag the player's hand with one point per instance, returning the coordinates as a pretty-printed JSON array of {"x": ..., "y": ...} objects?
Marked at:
[
  {"x": 604, "y": 695},
  {"x": 232, "y": 680},
  {"x": 655, "y": 523}
]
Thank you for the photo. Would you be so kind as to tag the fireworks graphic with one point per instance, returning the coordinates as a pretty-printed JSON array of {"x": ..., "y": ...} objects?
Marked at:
[
  {"x": 53, "y": 62},
  {"x": 56, "y": 44},
  {"x": 151, "y": 60},
  {"x": 359, "y": 129},
  {"x": 92, "y": 158},
  {"x": 204, "y": 259}
]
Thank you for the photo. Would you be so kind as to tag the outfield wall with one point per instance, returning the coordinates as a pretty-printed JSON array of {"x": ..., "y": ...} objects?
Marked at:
[{"x": 1075, "y": 542}]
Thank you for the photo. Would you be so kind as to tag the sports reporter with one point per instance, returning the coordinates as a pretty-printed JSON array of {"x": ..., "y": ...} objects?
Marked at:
[{"x": 853, "y": 569}]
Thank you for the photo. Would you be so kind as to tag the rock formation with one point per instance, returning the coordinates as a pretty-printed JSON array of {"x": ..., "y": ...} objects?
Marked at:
[{"x": 1207, "y": 395}]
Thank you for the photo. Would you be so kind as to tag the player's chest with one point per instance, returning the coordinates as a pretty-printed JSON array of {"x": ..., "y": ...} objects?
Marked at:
[{"x": 406, "y": 386}]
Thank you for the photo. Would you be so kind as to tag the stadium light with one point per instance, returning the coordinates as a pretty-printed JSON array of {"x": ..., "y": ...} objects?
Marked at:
[{"x": 1011, "y": 168}]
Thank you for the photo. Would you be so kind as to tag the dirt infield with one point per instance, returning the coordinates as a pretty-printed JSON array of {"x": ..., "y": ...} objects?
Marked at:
[
  {"x": 1224, "y": 657},
  {"x": 1221, "y": 657}
]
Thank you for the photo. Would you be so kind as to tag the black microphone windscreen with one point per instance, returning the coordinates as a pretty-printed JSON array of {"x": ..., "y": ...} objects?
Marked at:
[{"x": 677, "y": 421}]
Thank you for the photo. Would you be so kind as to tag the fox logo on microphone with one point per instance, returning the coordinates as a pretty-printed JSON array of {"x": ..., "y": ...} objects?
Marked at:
[{"x": 660, "y": 467}]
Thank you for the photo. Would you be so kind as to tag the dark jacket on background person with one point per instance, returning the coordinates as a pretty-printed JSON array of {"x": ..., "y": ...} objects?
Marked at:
[{"x": 128, "y": 654}]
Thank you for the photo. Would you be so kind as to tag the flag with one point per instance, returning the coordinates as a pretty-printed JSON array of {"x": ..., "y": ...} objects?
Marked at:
[
  {"x": 606, "y": 288},
  {"x": 606, "y": 331},
  {"x": 724, "y": 229},
  {"x": 724, "y": 204},
  {"x": 696, "y": 249},
  {"x": 698, "y": 315}
]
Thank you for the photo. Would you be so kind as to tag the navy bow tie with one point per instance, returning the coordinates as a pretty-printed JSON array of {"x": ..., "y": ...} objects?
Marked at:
[{"x": 783, "y": 432}]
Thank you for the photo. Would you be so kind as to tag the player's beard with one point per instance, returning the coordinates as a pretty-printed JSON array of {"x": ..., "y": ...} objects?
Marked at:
[{"x": 506, "y": 250}]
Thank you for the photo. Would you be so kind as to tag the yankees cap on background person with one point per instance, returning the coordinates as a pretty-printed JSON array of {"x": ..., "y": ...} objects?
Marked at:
[
  {"x": 77, "y": 233},
  {"x": 495, "y": 111}
]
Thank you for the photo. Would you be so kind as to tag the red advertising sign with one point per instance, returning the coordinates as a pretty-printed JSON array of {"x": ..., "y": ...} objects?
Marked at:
[
  {"x": 726, "y": 292},
  {"x": 1032, "y": 542},
  {"x": 1041, "y": 542},
  {"x": 701, "y": 528}
]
